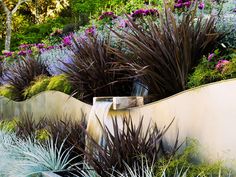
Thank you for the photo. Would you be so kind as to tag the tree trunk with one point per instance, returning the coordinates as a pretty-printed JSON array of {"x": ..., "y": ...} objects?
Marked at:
[{"x": 8, "y": 31}]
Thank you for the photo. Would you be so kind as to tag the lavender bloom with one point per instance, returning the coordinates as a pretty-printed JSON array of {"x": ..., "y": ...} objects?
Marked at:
[{"x": 210, "y": 56}]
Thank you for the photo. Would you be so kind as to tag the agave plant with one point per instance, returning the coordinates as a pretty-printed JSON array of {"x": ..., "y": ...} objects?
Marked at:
[
  {"x": 165, "y": 52},
  {"x": 20, "y": 74}
]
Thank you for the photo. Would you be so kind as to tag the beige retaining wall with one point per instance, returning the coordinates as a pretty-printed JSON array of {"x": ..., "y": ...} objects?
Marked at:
[
  {"x": 51, "y": 104},
  {"x": 207, "y": 113}
]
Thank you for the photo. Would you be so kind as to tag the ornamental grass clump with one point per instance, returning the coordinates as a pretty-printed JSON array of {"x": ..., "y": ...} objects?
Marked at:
[
  {"x": 20, "y": 74},
  {"x": 28, "y": 157},
  {"x": 165, "y": 53},
  {"x": 126, "y": 144},
  {"x": 38, "y": 85},
  {"x": 93, "y": 71},
  {"x": 65, "y": 134}
]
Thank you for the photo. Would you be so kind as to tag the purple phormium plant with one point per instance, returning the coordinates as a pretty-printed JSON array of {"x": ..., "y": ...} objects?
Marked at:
[{"x": 108, "y": 15}]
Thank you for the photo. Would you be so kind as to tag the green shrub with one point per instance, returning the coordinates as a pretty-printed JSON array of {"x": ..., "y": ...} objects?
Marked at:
[
  {"x": 37, "y": 86},
  {"x": 191, "y": 161},
  {"x": 59, "y": 83},
  {"x": 206, "y": 71},
  {"x": 230, "y": 69},
  {"x": 42, "y": 135},
  {"x": 43, "y": 83},
  {"x": 9, "y": 125},
  {"x": 203, "y": 74},
  {"x": 8, "y": 92}
]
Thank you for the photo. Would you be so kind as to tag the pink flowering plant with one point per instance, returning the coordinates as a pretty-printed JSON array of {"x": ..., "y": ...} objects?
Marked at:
[
  {"x": 218, "y": 65},
  {"x": 216, "y": 60}
]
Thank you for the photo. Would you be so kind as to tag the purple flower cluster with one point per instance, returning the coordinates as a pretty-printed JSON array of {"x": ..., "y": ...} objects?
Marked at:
[
  {"x": 40, "y": 46},
  {"x": 67, "y": 41},
  {"x": 8, "y": 54},
  {"x": 45, "y": 49},
  {"x": 28, "y": 46},
  {"x": 144, "y": 12},
  {"x": 186, "y": 4},
  {"x": 90, "y": 31},
  {"x": 24, "y": 52},
  {"x": 108, "y": 15}
]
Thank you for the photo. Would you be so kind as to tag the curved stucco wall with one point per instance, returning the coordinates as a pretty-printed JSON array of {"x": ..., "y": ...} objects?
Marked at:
[
  {"x": 51, "y": 104},
  {"x": 207, "y": 113}
]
